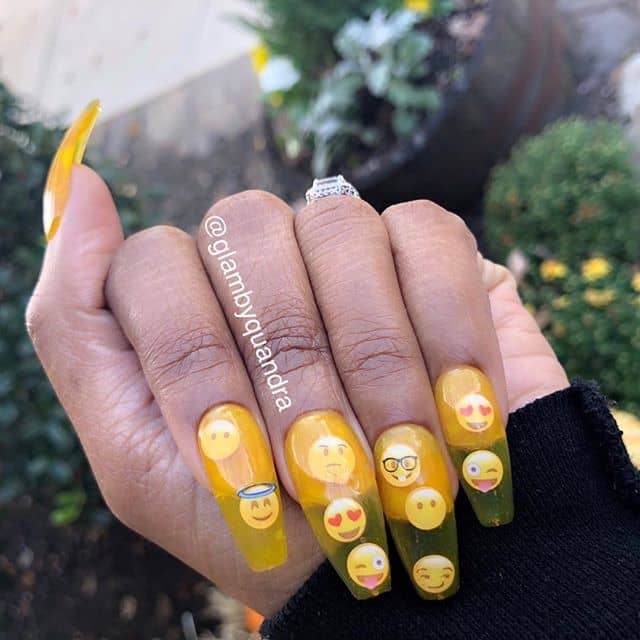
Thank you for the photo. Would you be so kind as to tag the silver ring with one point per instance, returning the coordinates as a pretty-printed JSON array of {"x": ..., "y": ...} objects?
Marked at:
[{"x": 333, "y": 186}]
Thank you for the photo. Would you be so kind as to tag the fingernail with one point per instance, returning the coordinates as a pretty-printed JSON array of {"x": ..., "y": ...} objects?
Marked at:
[
  {"x": 336, "y": 487},
  {"x": 243, "y": 479},
  {"x": 477, "y": 442},
  {"x": 70, "y": 152},
  {"x": 418, "y": 503}
]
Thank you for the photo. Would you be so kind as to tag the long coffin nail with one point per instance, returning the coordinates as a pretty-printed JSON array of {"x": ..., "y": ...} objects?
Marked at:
[
  {"x": 243, "y": 480},
  {"x": 337, "y": 490},
  {"x": 418, "y": 503},
  {"x": 70, "y": 152},
  {"x": 477, "y": 442}
]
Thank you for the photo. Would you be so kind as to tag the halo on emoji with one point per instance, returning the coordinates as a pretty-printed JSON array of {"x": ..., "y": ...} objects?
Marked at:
[
  {"x": 344, "y": 519},
  {"x": 259, "y": 505},
  {"x": 368, "y": 565},
  {"x": 483, "y": 470},
  {"x": 331, "y": 459},
  {"x": 474, "y": 412}
]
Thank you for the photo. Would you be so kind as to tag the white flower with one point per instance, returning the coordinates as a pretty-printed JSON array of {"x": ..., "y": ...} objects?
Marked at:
[{"x": 278, "y": 74}]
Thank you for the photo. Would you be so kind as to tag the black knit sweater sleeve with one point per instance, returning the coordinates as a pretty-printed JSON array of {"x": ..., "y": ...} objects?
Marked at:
[{"x": 567, "y": 567}]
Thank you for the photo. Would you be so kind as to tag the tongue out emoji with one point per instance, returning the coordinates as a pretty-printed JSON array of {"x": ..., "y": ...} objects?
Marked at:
[
  {"x": 368, "y": 565},
  {"x": 483, "y": 470}
]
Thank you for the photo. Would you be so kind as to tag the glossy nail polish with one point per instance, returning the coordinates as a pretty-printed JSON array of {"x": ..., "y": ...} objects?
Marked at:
[
  {"x": 417, "y": 500},
  {"x": 70, "y": 152},
  {"x": 243, "y": 479},
  {"x": 336, "y": 487},
  {"x": 477, "y": 442}
]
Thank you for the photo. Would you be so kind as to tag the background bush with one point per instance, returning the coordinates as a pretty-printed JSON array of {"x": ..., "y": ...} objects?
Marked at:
[
  {"x": 569, "y": 193},
  {"x": 569, "y": 200},
  {"x": 39, "y": 452}
]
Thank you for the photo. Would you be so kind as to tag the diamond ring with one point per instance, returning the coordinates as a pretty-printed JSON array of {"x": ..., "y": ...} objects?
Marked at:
[{"x": 333, "y": 186}]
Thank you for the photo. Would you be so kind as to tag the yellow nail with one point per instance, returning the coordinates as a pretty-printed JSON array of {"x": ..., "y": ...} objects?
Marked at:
[
  {"x": 243, "y": 480},
  {"x": 418, "y": 503},
  {"x": 477, "y": 442},
  {"x": 336, "y": 487},
  {"x": 70, "y": 152}
]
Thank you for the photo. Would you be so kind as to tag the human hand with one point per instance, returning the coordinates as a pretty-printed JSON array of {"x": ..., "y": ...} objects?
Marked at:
[{"x": 361, "y": 314}]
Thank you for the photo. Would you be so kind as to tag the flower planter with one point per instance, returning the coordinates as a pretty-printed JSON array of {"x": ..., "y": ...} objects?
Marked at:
[{"x": 519, "y": 79}]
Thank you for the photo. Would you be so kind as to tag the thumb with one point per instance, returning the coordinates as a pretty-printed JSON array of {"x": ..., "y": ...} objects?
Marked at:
[{"x": 81, "y": 223}]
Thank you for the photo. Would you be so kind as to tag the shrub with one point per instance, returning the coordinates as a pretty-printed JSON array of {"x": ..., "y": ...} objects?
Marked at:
[
  {"x": 569, "y": 200},
  {"x": 569, "y": 193},
  {"x": 39, "y": 452},
  {"x": 590, "y": 312},
  {"x": 345, "y": 78}
]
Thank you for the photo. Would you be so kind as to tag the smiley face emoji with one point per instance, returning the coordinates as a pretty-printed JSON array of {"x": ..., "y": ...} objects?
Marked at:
[
  {"x": 425, "y": 508},
  {"x": 331, "y": 459},
  {"x": 483, "y": 470},
  {"x": 259, "y": 505},
  {"x": 344, "y": 520},
  {"x": 434, "y": 574},
  {"x": 474, "y": 412},
  {"x": 368, "y": 565},
  {"x": 400, "y": 465},
  {"x": 219, "y": 439}
]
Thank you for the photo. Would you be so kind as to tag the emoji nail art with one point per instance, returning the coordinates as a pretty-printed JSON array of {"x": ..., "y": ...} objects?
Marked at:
[
  {"x": 336, "y": 488},
  {"x": 434, "y": 574},
  {"x": 240, "y": 470},
  {"x": 477, "y": 442},
  {"x": 368, "y": 565},
  {"x": 418, "y": 503}
]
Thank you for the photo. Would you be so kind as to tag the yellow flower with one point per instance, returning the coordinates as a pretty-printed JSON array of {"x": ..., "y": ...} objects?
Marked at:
[
  {"x": 599, "y": 297},
  {"x": 259, "y": 57},
  {"x": 419, "y": 6},
  {"x": 276, "y": 99},
  {"x": 530, "y": 308},
  {"x": 635, "y": 282},
  {"x": 553, "y": 270},
  {"x": 595, "y": 269},
  {"x": 561, "y": 302}
]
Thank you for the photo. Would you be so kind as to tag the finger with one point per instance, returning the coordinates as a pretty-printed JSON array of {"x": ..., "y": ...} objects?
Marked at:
[
  {"x": 248, "y": 246},
  {"x": 437, "y": 264},
  {"x": 532, "y": 369},
  {"x": 346, "y": 250},
  {"x": 162, "y": 299},
  {"x": 97, "y": 377}
]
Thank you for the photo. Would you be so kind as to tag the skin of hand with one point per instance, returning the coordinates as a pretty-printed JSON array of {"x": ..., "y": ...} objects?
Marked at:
[{"x": 141, "y": 473}]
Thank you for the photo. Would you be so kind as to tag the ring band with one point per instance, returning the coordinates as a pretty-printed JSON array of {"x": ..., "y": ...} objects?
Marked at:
[{"x": 333, "y": 186}]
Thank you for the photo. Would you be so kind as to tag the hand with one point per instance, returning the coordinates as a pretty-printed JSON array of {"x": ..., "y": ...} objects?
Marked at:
[{"x": 138, "y": 346}]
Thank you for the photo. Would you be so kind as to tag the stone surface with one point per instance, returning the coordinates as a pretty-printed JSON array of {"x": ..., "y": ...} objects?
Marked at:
[{"x": 62, "y": 53}]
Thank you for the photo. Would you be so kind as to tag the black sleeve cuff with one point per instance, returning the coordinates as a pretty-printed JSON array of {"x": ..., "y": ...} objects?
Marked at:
[{"x": 567, "y": 566}]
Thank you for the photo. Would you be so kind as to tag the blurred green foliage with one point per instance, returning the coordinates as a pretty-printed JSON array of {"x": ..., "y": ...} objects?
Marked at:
[
  {"x": 39, "y": 452},
  {"x": 569, "y": 193},
  {"x": 569, "y": 200},
  {"x": 344, "y": 78}
]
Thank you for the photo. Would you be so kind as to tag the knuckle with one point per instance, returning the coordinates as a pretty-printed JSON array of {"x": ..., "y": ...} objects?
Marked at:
[
  {"x": 329, "y": 225},
  {"x": 141, "y": 245},
  {"x": 369, "y": 357},
  {"x": 252, "y": 205},
  {"x": 178, "y": 353},
  {"x": 425, "y": 219},
  {"x": 293, "y": 335}
]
